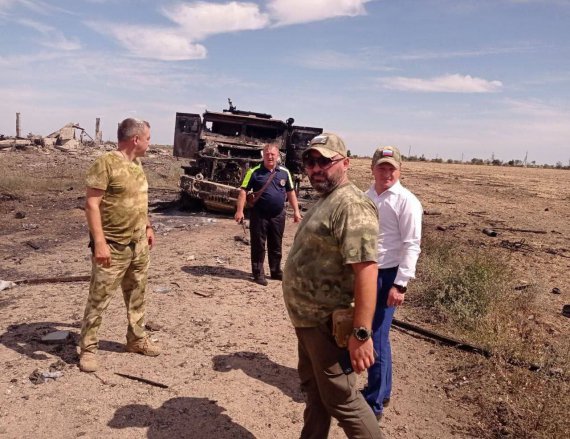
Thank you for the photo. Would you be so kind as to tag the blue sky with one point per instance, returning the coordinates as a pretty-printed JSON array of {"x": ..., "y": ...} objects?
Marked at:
[{"x": 448, "y": 79}]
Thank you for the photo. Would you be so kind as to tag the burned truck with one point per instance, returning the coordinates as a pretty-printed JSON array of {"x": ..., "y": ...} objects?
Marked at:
[{"x": 222, "y": 146}]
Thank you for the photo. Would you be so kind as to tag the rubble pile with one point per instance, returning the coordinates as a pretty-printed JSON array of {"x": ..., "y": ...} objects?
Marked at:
[{"x": 66, "y": 139}]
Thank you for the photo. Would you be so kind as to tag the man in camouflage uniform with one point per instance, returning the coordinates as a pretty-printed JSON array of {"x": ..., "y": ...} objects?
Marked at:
[
  {"x": 120, "y": 237},
  {"x": 332, "y": 263}
]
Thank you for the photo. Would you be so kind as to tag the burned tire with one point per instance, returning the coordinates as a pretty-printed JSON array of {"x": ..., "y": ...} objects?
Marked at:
[{"x": 187, "y": 203}]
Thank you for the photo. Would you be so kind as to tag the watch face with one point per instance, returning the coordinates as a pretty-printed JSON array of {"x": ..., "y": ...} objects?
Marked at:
[{"x": 362, "y": 334}]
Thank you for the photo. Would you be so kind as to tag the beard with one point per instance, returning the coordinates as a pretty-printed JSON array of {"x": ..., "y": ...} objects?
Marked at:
[{"x": 330, "y": 182}]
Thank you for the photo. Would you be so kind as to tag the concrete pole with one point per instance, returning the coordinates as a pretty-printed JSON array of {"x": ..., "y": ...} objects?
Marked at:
[
  {"x": 18, "y": 125},
  {"x": 98, "y": 133}
]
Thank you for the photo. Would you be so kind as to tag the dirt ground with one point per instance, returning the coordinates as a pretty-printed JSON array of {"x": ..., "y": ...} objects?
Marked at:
[{"x": 229, "y": 351}]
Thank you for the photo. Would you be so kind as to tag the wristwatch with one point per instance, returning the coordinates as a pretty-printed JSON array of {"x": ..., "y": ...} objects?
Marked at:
[
  {"x": 362, "y": 333},
  {"x": 401, "y": 289}
]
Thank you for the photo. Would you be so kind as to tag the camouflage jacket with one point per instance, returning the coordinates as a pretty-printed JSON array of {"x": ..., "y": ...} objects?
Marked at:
[{"x": 341, "y": 229}]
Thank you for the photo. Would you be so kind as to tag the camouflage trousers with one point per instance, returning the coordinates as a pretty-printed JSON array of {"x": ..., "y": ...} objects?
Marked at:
[{"x": 129, "y": 268}]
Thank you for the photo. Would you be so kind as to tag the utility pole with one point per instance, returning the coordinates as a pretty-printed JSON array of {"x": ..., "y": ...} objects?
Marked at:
[
  {"x": 409, "y": 151},
  {"x": 461, "y": 157},
  {"x": 18, "y": 125},
  {"x": 525, "y": 157}
]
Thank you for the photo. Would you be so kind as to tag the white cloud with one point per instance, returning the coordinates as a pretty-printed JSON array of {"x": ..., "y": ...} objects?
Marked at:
[
  {"x": 52, "y": 37},
  {"x": 193, "y": 21},
  {"x": 200, "y": 19},
  {"x": 303, "y": 11},
  {"x": 443, "y": 84},
  {"x": 151, "y": 42},
  {"x": 464, "y": 53},
  {"x": 37, "y": 6}
]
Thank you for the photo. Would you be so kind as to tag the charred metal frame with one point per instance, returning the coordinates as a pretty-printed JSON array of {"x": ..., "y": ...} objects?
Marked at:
[{"x": 223, "y": 146}]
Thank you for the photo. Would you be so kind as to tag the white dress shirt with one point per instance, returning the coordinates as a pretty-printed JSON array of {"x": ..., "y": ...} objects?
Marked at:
[{"x": 400, "y": 214}]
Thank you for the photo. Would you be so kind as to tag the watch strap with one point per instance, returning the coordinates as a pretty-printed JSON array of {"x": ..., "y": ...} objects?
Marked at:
[{"x": 402, "y": 289}]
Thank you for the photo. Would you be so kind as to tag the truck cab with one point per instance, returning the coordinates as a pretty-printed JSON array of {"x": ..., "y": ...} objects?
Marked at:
[{"x": 222, "y": 146}]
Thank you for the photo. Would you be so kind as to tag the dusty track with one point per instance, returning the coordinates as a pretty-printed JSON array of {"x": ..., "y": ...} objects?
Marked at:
[{"x": 230, "y": 351}]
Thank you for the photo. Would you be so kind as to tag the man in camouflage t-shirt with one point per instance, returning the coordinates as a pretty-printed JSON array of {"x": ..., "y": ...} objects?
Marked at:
[
  {"x": 331, "y": 264},
  {"x": 120, "y": 237}
]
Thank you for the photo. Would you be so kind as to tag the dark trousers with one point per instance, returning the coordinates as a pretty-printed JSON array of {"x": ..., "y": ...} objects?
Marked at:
[
  {"x": 328, "y": 391},
  {"x": 380, "y": 373},
  {"x": 264, "y": 229}
]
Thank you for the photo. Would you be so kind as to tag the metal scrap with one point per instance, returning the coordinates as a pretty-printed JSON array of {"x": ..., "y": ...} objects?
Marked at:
[
  {"x": 515, "y": 245},
  {"x": 222, "y": 146},
  {"x": 142, "y": 380},
  {"x": 557, "y": 252},
  {"x": 514, "y": 229},
  {"x": 54, "y": 372},
  {"x": 52, "y": 280}
]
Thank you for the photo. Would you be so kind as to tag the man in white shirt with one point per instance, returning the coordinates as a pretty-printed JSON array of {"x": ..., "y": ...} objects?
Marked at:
[{"x": 400, "y": 214}]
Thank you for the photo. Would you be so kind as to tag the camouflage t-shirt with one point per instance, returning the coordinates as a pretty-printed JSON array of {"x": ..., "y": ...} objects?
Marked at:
[
  {"x": 341, "y": 229},
  {"x": 124, "y": 208}
]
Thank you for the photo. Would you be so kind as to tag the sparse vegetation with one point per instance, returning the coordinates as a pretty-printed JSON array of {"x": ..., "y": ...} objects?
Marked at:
[
  {"x": 470, "y": 295},
  {"x": 459, "y": 286}
]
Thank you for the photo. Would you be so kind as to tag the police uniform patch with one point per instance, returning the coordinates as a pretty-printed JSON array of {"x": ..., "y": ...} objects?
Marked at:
[{"x": 283, "y": 182}]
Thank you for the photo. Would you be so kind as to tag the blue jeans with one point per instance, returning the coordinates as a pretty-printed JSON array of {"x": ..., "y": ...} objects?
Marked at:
[{"x": 380, "y": 373}]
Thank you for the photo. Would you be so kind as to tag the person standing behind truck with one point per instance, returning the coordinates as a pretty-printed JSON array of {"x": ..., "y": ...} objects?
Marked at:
[
  {"x": 399, "y": 240},
  {"x": 271, "y": 184}
]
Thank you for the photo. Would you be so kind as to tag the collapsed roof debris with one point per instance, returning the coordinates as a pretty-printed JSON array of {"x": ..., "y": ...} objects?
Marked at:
[
  {"x": 71, "y": 138},
  {"x": 64, "y": 139}
]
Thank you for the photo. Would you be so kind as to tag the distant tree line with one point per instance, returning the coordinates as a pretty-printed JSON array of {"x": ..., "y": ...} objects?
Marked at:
[
  {"x": 487, "y": 162},
  {"x": 476, "y": 161}
]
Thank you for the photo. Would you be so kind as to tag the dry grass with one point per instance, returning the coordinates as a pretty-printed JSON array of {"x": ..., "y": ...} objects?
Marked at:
[
  {"x": 68, "y": 171},
  {"x": 42, "y": 178},
  {"x": 469, "y": 293},
  {"x": 165, "y": 176}
]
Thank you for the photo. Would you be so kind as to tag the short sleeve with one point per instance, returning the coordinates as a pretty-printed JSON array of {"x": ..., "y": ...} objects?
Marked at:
[
  {"x": 98, "y": 174},
  {"x": 246, "y": 183},
  {"x": 355, "y": 228}
]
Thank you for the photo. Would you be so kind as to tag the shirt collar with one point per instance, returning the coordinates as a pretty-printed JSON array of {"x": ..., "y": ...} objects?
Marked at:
[
  {"x": 277, "y": 168},
  {"x": 395, "y": 189}
]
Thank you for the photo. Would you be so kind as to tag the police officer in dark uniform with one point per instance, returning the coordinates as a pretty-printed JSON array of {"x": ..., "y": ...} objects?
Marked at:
[{"x": 267, "y": 216}]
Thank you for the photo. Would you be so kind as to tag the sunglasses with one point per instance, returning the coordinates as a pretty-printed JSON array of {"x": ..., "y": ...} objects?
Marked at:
[{"x": 323, "y": 162}]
